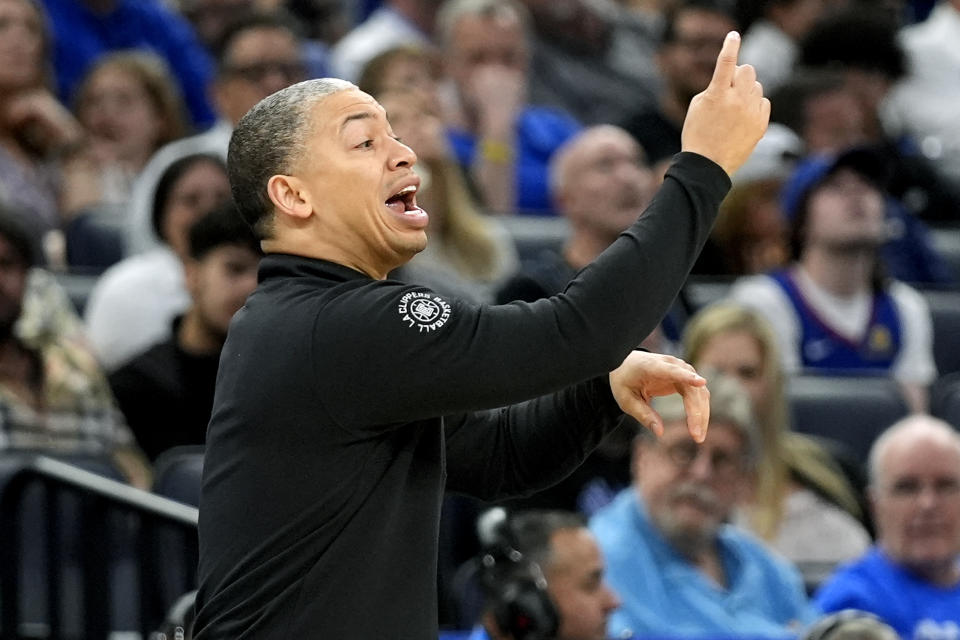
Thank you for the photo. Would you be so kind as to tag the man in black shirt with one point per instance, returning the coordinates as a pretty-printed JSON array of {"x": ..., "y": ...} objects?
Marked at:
[
  {"x": 347, "y": 403},
  {"x": 166, "y": 392}
]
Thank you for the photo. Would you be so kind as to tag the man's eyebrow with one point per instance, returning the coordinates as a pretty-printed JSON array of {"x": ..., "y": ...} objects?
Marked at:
[{"x": 364, "y": 115}]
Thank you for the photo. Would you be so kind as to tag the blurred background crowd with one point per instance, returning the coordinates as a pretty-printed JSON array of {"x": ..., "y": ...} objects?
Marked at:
[{"x": 826, "y": 305}]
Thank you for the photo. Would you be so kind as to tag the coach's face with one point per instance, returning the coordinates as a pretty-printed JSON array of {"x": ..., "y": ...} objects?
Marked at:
[{"x": 360, "y": 182}]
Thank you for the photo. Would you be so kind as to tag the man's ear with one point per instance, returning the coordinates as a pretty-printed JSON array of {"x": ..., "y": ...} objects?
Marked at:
[{"x": 289, "y": 196}]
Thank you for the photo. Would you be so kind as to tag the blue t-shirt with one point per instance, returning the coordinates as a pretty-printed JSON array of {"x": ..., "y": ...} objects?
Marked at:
[
  {"x": 540, "y": 131},
  {"x": 917, "y": 609},
  {"x": 664, "y": 595}
]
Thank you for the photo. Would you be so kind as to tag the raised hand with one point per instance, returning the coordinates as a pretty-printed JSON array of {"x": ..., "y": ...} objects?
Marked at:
[
  {"x": 725, "y": 121},
  {"x": 643, "y": 376}
]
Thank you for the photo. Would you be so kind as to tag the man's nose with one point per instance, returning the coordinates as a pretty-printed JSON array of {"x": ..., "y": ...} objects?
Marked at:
[
  {"x": 702, "y": 465},
  {"x": 611, "y": 600},
  {"x": 402, "y": 156}
]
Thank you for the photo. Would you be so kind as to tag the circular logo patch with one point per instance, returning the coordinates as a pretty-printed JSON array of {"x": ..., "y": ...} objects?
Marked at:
[{"x": 426, "y": 311}]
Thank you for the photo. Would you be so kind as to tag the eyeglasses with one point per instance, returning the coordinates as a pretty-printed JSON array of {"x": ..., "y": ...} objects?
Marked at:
[
  {"x": 259, "y": 71},
  {"x": 723, "y": 463}
]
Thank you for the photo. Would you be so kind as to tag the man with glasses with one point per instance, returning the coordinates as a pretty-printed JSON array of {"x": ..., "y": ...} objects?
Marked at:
[
  {"x": 911, "y": 578},
  {"x": 259, "y": 54},
  {"x": 679, "y": 568}
]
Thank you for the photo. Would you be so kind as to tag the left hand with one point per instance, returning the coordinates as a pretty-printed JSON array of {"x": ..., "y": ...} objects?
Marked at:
[
  {"x": 643, "y": 376},
  {"x": 51, "y": 123}
]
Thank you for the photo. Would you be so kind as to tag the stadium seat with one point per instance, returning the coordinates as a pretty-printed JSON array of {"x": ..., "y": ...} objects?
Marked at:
[
  {"x": 945, "y": 399},
  {"x": 852, "y": 410},
  {"x": 945, "y": 312},
  {"x": 177, "y": 474}
]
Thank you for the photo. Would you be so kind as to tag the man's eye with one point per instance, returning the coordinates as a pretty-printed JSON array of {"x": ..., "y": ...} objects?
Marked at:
[{"x": 366, "y": 144}]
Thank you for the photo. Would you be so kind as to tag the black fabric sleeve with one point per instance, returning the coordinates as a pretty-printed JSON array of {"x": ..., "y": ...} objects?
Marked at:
[
  {"x": 389, "y": 353},
  {"x": 528, "y": 446}
]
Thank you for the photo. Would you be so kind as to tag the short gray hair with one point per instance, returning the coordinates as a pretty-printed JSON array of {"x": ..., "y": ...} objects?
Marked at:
[
  {"x": 452, "y": 11},
  {"x": 906, "y": 427},
  {"x": 267, "y": 140}
]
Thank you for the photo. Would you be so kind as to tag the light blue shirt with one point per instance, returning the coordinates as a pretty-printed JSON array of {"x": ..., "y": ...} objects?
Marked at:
[{"x": 663, "y": 594}]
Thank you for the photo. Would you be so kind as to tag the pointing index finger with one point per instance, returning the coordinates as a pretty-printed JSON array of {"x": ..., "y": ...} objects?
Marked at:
[{"x": 726, "y": 62}]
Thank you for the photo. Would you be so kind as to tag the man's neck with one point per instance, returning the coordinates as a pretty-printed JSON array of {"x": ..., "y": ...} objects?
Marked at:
[
  {"x": 195, "y": 337},
  {"x": 703, "y": 555},
  {"x": 945, "y": 573},
  {"x": 841, "y": 273}
]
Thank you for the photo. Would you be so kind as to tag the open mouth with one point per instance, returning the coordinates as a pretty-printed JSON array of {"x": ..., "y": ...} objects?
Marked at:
[
  {"x": 403, "y": 200},
  {"x": 404, "y": 203}
]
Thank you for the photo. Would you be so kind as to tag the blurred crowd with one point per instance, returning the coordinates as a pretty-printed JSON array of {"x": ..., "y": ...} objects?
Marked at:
[{"x": 542, "y": 129}]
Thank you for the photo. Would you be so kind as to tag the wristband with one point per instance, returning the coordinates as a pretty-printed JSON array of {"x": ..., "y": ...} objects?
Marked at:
[{"x": 496, "y": 151}]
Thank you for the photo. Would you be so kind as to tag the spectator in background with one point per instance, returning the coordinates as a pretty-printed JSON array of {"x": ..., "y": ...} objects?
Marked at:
[
  {"x": 503, "y": 142},
  {"x": 395, "y": 23},
  {"x": 545, "y": 580},
  {"x": 692, "y": 35},
  {"x": 579, "y": 61},
  {"x": 923, "y": 106},
  {"x": 862, "y": 46},
  {"x": 600, "y": 182},
  {"x": 750, "y": 235},
  {"x": 53, "y": 396},
  {"x": 771, "y": 43},
  {"x": 85, "y": 30},
  {"x": 911, "y": 579},
  {"x": 260, "y": 53},
  {"x": 130, "y": 106},
  {"x": 166, "y": 392},
  {"x": 832, "y": 310},
  {"x": 679, "y": 569},
  {"x": 821, "y": 107},
  {"x": 801, "y": 496},
  {"x": 134, "y": 301},
  {"x": 212, "y": 19},
  {"x": 35, "y": 129}
]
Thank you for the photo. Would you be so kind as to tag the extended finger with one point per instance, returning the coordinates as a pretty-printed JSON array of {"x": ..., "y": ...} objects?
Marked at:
[
  {"x": 726, "y": 62},
  {"x": 696, "y": 404},
  {"x": 644, "y": 414}
]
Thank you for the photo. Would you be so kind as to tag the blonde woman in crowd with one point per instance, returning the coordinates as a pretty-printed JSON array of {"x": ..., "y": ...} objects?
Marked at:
[{"x": 801, "y": 498}]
